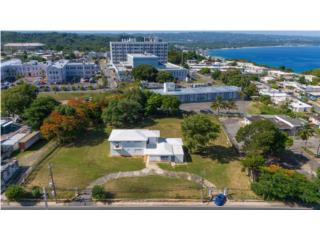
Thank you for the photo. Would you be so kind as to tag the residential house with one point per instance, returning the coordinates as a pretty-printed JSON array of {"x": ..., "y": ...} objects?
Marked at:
[
  {"x": 315, "y": 119},
  {"x": 147, "y": 143},
  {"x": 298, "y": 106},
  {"x": 283, "y": 122},
  {"x": 277, "y": 97}
]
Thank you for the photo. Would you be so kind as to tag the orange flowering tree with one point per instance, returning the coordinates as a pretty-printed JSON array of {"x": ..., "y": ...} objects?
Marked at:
[{"x": 65, "y": 122}]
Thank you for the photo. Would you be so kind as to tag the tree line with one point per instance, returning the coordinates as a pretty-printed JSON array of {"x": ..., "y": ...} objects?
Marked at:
[
  {"x": 64, "y": 122},
  {"x": 234, "y": 77}
]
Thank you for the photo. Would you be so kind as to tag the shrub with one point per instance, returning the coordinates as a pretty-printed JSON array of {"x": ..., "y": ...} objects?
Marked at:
[
  {"x": 14, "y": 193},
  {"x": 98, "y": 193},
  {"x": 36, "y": 192}
]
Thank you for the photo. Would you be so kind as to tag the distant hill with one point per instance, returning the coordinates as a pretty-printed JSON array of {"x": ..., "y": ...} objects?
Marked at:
[
  {"x": 99, "y": 41},
  {"x": 62, "y": 41},
  {"x": 234, "y": 40}
]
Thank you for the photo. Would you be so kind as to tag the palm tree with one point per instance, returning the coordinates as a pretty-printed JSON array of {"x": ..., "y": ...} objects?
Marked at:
[
  {"x": 231, "y": 105},
  {"x": 218, "y": 104},
  {"x": 305, "y": 133}
]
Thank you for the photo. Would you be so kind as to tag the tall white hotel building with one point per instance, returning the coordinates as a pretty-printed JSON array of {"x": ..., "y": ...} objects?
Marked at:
[{"x": 119, "y": 50}]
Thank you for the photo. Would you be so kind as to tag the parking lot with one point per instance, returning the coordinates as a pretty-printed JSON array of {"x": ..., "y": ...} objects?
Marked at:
[
  {"x": 242, "y": 107},
  {"x": 195, "y": 107}
]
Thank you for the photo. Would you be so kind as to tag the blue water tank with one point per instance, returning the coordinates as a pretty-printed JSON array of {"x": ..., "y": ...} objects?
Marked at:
[{"x": 220, "y": 199}]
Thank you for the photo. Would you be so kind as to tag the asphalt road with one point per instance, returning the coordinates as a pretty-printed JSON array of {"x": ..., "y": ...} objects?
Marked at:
[{"x": 158, "y": 206}]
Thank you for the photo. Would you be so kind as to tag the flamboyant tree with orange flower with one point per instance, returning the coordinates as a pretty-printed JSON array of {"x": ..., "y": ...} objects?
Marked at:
[{"x": 67, "y": 121}]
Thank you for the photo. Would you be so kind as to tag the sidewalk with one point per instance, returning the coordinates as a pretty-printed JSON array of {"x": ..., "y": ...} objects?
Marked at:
[{"x": 153, "y": 205}]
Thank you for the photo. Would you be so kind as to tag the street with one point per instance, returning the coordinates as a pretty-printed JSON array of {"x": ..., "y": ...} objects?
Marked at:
[
  {"x": 109, "y": 74},
  {"x": 230, "y": 205}
]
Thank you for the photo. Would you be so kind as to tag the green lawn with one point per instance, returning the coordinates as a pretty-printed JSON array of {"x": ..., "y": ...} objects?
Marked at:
[
  {"x": 153, "y": 187},
  {"x": 35, "y": 152},
  {"x": 220, "y": 164},
  {"x": 60, "y": 96},
  {"x": 75, "y": 166},
  {"x": 256, "y": 108}
]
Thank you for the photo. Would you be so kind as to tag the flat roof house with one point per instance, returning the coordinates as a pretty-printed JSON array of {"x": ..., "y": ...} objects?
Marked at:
[
  {"x": 147, "y": 143},
  {"x": 298, "y": 106},
  {"x": 276, "y": 96}
]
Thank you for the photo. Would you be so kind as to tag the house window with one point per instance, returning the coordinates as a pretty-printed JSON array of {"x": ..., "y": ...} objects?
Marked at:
[{"x": 164, "y": 158}]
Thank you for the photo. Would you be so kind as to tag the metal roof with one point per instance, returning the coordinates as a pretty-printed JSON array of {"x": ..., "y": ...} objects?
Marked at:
[
  {"x": 11, "y": 62},
  {"x": 198, "y": 90},
  {"x": 132, "y": 134},
  {"x": 166, "y": 146},
  {"x": 24, "y": 45},
  {"x": 14, "y": 139}
]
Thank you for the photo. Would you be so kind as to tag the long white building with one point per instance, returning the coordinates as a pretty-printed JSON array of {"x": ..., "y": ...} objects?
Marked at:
[
  {"x": 57, "y": 72},
  {"x": 64, "y": 71},
  {"x": 119, "y": 50},
  {"x": 199, "y": 94},
  {"x": 14, "y": 68}
]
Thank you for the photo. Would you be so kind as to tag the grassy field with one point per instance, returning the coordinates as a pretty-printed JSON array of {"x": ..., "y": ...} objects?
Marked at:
[
  {"x": 28, "y": 157},
  {"x": 87, "y": 159},
  {"x": 75, "y": 166},
  {"x": 220, "y": 164},
  {"x": 60, "y": 96},
  {"x": 256, "y": 108},
  {"x": 153, "y": 187}
]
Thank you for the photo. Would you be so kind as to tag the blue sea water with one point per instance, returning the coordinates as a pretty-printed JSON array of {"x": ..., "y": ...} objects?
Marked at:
[{"x": 300, "y": 58}]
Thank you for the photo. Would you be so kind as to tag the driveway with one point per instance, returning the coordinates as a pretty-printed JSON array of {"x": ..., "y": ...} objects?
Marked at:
[{"x": 231, "y": 126}]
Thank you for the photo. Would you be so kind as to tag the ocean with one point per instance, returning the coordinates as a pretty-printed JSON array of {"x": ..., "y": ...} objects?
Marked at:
[{"x": 300, "y": 58}]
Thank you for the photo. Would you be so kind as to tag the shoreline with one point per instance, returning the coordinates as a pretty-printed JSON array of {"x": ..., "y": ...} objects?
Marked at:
[
  {"x": 271, "y": 46},
  {"x": 210, "y": 53}
]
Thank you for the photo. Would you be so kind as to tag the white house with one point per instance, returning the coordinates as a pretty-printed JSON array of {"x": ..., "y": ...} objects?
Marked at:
[
  {"x": 298, "y": 106},
  {"x": 147, "y": 143},
  {"x": 266, "y": 79},
  {"x": 276, "y": 96},
  {"x": 315, "y": 119}
]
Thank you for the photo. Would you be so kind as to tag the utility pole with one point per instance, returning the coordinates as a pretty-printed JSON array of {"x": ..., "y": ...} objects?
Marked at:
[
  {"x": 45, "y": 197},
  {"x": 52, "y": 184},
  {"x": 202, "y": 194}
]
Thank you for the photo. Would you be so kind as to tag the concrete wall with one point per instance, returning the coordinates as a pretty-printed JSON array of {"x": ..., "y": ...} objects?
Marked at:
[
  {"x": 127, "y": 148},
  {"x": 179, "y": 158}
]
